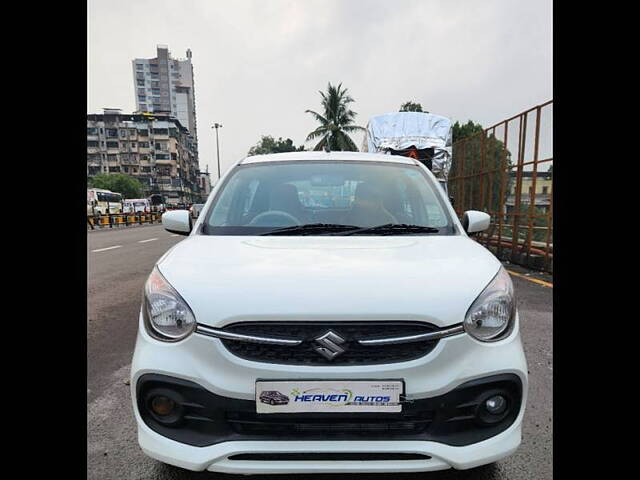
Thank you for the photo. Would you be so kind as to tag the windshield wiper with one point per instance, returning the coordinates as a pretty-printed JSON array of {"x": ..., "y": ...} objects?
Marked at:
[
  {"x": 393, "y": 229},
  {"x": 311, "y": 228}
]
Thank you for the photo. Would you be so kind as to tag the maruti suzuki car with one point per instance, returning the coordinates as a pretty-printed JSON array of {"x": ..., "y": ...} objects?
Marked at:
[
  {"x": 345, "y": 282},
  {"x": 273, "y": 397}
]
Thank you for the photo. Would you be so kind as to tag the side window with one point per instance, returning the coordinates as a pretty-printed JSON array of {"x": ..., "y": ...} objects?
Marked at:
[
  {"x": 400, "y": 202},
  {"x": 325, "y": 196},
  {"x": 416, "y": 205},
  {"x": 250, "y": 195},
  {"x": 426, "y": 206},
  {"x": 349, "y": 192},
  {"x": 222, "y": 206}
]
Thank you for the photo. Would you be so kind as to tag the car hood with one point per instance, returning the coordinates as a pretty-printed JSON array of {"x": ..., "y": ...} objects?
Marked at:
[{"x": 227, "y": 279}]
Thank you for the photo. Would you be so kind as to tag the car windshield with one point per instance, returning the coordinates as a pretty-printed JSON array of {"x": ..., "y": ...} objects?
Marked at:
[{"x": 264, "y": 197}]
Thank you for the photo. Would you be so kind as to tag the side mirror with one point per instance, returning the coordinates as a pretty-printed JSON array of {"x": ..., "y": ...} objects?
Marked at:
[
  {"x": 177, "y": 221},
  {"x": 474, "y": 221},
  {"x": 452, "y": 200}
]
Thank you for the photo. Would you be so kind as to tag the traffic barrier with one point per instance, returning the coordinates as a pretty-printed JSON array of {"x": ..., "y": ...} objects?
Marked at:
[{"x": 118, "y": 220}]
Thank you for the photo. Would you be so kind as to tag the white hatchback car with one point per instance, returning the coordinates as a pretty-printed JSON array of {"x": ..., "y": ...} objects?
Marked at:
[{"x": 328, "y": 312}]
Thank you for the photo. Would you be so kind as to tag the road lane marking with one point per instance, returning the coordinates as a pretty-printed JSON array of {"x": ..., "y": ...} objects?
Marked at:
[
  {"x": 147, "y": 240},
  {"x": 107, "y": 248},
  {"x": 534, "y": 280},
  {"x": 175, "y": 235}
]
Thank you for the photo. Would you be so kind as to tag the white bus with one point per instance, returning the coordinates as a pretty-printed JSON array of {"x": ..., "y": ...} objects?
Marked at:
[
  {"x": 136, "y": 205},
  {"x": 100, "y": 201}
]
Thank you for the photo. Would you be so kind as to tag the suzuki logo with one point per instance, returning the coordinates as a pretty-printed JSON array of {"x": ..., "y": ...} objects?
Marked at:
[{"x": 330, "y": 345}]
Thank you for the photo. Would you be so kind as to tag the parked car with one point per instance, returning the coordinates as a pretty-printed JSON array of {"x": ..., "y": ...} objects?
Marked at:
[
  {"x": 136, "y": 205},
  {"x": 195, "y": 209},
  {"x": 273, "y": 397},
  {"x": 391, "y": 331}
]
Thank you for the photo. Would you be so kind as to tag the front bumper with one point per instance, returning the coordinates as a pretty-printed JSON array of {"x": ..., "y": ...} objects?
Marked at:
[
  {"x": 205, "y": 362},
  {"x": 215, "y": 458}
]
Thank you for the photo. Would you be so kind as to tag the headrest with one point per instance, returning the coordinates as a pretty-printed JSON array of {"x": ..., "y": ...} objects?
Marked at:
[
  {"x": 284, "y": 196},
  {"x": 365, "y": 192}
]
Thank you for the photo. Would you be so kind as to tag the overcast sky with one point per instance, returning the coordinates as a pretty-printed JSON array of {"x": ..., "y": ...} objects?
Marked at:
[{"x": 259, "y": 64}]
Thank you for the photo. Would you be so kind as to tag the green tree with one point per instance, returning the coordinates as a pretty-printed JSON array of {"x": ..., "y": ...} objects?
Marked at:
[
  {"x": 268, "y": 144},
  {"x": 538, "y": 217},
  {"x": 336, "y": 122},
  {"x": 468, "y": 129},
  {"x": 128, "y": 186},
  {"x": 411, "y": 107},
  {"x": 482, "y": 166}
]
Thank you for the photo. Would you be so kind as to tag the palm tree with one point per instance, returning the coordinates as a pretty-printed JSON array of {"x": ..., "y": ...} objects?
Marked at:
[{"x": 336, "y": 122}]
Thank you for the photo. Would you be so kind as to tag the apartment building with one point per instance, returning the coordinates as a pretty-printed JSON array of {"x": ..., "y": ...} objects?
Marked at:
[
  {"x": 166, "y": 85},
  {"x": 154, "y": 148},
  {"x": 542, "y": 195}
]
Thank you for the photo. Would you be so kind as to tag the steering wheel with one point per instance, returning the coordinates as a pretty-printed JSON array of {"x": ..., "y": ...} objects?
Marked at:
[{"x": 274, "y": 213}]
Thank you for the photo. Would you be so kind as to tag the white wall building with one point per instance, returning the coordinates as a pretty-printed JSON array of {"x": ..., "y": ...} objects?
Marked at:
[{"x": 164, "y": 84}]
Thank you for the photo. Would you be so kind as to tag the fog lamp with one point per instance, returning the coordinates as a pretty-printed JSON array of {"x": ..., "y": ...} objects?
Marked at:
[
  {"x": 162, "y": 405},
  {"x": 493, "y": 407},
  {"x": 496, "y": 405}
]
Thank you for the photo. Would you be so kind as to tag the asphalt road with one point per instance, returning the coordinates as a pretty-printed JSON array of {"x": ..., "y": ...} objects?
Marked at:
[{"x": 115, "y": 280}]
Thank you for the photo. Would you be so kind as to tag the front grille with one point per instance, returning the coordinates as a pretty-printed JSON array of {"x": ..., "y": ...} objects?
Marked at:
[
  {"x": 308, "y": 332},
  {"x": 310, "y": 425}
]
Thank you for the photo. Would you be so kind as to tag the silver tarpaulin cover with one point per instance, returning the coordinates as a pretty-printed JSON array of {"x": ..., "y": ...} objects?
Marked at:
[{"x": 401, "y": 130}]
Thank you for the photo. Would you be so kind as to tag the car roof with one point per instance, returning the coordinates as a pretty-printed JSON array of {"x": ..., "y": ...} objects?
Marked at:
[{"x": 335, "y": 156}]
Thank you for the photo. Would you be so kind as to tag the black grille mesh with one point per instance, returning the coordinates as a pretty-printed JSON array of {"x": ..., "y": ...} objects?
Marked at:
[
  {"x": 337, "y": 456},
  {"x": 355, "y": 354},
  {"x": 253, "y": 424}
]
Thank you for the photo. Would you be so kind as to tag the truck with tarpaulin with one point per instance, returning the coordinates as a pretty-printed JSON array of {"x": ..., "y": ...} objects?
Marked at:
[{"x": 425, "y": 137}]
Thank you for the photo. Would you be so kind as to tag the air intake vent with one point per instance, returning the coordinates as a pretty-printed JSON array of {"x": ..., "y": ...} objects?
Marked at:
[{"x": 366, "y": 456}]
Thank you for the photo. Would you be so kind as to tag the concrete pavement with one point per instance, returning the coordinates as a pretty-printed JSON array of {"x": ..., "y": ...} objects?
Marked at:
[{"x": 115, "y": 280}]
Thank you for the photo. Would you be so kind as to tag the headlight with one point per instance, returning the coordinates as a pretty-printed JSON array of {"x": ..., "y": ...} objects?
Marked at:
[
  {"x": 166, "y": 315},
  {"x": 491, "y": 315}
]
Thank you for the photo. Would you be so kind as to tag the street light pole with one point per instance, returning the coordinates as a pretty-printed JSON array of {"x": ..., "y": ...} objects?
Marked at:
[{"x": 216, "y": 126}]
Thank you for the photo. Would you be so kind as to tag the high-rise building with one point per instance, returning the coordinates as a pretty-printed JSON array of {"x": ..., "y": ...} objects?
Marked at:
[{"x": 165, "y": 85}]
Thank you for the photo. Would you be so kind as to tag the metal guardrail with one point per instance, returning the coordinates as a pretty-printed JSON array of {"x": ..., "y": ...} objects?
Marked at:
[
  {"x": 122, "y": 219},
  {"x": 491, "y": 172}
]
